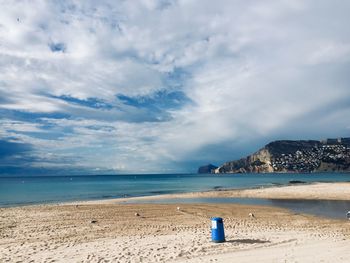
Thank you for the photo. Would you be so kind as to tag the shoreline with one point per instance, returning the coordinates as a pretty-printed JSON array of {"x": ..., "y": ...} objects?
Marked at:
[{"x": 336, "y": 191}]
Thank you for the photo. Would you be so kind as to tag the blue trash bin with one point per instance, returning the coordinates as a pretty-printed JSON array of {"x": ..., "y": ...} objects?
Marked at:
[{"x": 217, "y": 230}]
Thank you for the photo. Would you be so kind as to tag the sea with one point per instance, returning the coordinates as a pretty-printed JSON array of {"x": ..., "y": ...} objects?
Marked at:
[{"x": 28, "y": 190}]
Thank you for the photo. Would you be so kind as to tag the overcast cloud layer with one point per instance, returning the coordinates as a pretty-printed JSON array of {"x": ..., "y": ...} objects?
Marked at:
[{"x": 163, "y": 86}]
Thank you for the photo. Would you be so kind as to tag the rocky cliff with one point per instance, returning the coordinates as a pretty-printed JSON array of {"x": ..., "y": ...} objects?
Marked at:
[{"x": 331, "y": 155}]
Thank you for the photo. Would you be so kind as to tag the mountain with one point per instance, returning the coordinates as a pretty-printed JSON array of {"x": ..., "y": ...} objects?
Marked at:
[
  {"x": 207, "y": 169},
  {"x": 330, "y": 155}
]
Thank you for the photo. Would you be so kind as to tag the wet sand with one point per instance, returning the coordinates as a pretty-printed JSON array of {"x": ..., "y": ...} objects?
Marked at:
[
  {"x": 314, "y": 191},
  {"x": 110, "y": 232}
]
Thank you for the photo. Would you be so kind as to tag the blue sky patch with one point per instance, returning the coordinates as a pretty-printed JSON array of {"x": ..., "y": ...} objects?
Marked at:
[
  {"x": 57, "y": 47},
  {"x": 94, "y": 103},
  {"x": 31, "y": 116},
  {"x": 161, "y": 100}
]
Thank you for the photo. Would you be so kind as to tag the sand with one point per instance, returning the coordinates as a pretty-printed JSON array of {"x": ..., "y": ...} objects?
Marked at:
[
  {"x": 314, "y": 191},
  {"x": 64, "y": 233}
]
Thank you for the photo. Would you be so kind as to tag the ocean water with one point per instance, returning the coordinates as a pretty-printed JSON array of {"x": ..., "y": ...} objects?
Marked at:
[{"x": 45, "y": 189}]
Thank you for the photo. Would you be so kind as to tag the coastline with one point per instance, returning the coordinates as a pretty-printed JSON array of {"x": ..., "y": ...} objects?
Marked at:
[
  {"x": 111, "y": 187},
  {"x": 103, "y": 230},
  {"x": 307, "y": 191}
]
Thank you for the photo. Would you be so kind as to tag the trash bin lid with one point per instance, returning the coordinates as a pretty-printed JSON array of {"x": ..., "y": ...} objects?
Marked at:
[{"x": 218, "y": 219}]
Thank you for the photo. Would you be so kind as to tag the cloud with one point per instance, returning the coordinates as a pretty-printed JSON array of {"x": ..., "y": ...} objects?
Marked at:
[
  {"x": 10, "y": 148},
  {"x": 162, "y": 86}
]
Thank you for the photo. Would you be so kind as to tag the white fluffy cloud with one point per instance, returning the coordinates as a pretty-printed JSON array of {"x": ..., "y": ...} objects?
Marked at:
[{"x": 249, "y": 72}]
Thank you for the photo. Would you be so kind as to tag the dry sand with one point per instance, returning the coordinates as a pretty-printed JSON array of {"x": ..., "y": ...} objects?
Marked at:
[{"x": 64, "y": 233}]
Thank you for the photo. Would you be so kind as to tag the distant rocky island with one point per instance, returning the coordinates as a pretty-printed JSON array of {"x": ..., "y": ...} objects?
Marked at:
[
  {"x": 207, "y": 169},
  {"x": 330, "y": 155}
]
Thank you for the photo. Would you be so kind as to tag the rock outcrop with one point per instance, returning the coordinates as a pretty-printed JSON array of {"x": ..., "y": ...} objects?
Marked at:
[
  {"x": 207, "y": 169},
  {"x": 331, "y": 155}
]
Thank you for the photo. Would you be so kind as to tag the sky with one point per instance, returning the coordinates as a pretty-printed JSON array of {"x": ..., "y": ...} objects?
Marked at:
[{"x": 163, "y": 86}]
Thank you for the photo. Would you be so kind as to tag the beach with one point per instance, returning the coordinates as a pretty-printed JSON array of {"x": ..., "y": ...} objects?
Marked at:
[
  {"x": 313, "y": 191},
  {"x": 109, "y": 231}
]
